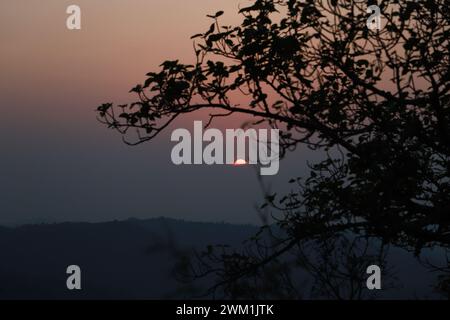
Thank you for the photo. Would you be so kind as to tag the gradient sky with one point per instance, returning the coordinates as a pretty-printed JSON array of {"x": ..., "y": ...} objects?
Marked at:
[{"x": 57, "y": 163}]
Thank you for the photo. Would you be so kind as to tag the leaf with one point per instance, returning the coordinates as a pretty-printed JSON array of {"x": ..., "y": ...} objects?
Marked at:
[
  {"x": 198, "y": 35},
  {"x": 218, "y": 14},
  {"x": 137, "y": 89},
  {"x": 104, "y": 107},
  {"x": 211, "y": 30},
  {"x": 148, "y": 82},
  {"x": 271, "y": 198},
  {"x": 248, "y": 9},
  {"x": 215, "y": 37}
]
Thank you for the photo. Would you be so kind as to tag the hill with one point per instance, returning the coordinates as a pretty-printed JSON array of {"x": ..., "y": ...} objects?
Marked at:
[{"x": 132, "y": 259}]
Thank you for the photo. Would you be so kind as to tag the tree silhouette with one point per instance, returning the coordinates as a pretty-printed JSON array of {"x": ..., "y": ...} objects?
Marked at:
[{"x": 376, "y": 101}]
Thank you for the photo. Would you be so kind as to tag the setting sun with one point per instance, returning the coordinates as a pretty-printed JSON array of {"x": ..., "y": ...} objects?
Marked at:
[{"x": 240, "y": 162}]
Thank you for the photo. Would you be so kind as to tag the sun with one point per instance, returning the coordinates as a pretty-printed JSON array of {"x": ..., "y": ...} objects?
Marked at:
[{"x": 240, "y": 162}]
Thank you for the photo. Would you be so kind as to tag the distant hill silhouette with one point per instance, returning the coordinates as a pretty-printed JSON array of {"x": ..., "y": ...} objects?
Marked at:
[{"x": 130, "y": 259}]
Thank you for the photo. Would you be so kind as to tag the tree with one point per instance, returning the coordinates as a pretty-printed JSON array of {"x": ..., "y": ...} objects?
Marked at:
[{"x": 376, "y": 101}]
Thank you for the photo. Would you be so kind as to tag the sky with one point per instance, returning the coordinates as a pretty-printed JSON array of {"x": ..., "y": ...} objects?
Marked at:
[{"x": 57, "y": 163}]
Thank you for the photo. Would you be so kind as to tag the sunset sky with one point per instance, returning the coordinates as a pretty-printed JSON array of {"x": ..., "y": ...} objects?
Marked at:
[{"x": 58, "y": 163}]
